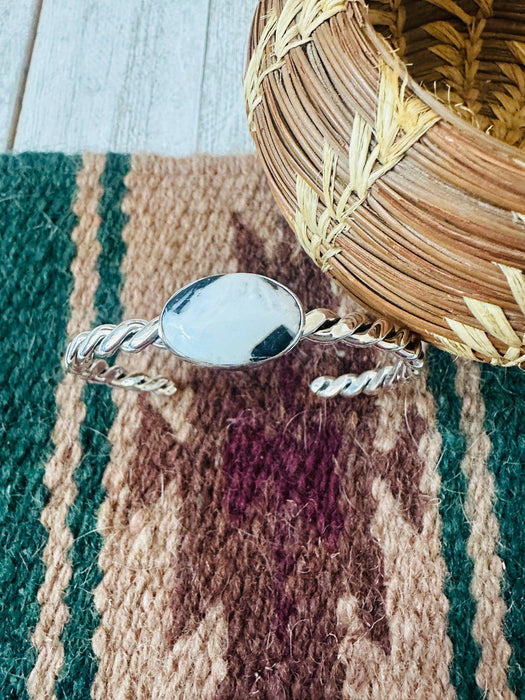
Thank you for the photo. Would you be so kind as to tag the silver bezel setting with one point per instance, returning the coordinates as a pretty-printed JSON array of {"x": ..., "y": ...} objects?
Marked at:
[{"x": 233, "y": 366}]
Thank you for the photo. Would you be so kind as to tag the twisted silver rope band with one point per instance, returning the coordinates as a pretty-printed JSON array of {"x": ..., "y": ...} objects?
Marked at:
[
  {"x": 87, "y": 353},
  {"x": 324, "y": 326}
]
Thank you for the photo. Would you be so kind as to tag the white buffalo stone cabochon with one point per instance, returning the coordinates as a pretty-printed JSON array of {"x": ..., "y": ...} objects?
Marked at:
[{"x": 231, "y": 320}]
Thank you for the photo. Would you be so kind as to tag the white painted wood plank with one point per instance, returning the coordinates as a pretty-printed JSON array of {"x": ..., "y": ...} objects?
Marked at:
[
  {"x": 121, "y": 75},
  {"x": 222, "y": 117},
  {"x": 15, "y": 28}
]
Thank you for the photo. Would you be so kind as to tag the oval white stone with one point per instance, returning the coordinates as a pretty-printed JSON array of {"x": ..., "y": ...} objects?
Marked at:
[{"x": 232, "y": 320}]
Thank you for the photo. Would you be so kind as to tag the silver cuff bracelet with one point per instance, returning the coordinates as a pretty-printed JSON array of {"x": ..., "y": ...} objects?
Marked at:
[{"x": 240, "y": 320}]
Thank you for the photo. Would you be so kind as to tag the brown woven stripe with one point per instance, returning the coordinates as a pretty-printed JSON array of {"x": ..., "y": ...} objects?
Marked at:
[
  {"x": 168, "y": 240},
  {"x": 415, "y": 608}
]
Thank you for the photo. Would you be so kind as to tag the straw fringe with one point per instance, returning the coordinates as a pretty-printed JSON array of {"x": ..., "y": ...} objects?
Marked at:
[
  {"x": 294, "y": 27},
  {"x": 316, "y": 233},
  {"x": 516, "y": 280},
  {"x": 373, "y": 151},
  {"x": 494, "y": 320},
  {"x": 500, "y": 112},
  {"x": 453, "y": 8},
  {"x": 477, "y": 342},
  {"x": 454, "y": 347},
  {"x": 392, "y": 16},
  {"x": 510, "y": 113},
  {"x": 474, "y": 338},
  {"x": 254, "y": 76},
  {"x": 495, "y": 323},
  {"x": 461, "y": 51}
]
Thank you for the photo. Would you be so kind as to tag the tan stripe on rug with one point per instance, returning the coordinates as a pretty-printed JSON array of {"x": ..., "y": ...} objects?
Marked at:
[
  {"x": 172, "y": 219},
  {"x": 60, "y": 469},
  {"x": 487, "y": 629},
  {"x": 136, "y": 657},
  {"x": 414, "y": 573}
]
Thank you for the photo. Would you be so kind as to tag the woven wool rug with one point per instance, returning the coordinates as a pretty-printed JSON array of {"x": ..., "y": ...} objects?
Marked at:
[{"x": 243, "y": 537}]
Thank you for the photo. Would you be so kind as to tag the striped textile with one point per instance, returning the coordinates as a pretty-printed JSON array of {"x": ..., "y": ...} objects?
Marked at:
[{"x": 242, "y": 537}]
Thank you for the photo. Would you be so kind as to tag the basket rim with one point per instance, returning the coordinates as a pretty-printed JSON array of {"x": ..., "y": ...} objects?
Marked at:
[
  {"x": 479, "y": 137},
  {"x": 463, "y": 187}
]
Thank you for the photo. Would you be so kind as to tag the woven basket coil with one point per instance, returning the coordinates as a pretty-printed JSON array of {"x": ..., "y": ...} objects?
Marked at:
[{"x": 393, "y": 137}]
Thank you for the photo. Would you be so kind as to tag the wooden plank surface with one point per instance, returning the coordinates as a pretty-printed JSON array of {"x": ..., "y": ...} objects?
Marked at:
[
  {"x": 15, "y": 29},
  {"x": 123, "y": 75},
  {"x": 222, "y": 118}
]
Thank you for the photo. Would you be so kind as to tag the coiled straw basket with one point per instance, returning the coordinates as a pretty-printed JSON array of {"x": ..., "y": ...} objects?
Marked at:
[{"x": 393, "y": 137}]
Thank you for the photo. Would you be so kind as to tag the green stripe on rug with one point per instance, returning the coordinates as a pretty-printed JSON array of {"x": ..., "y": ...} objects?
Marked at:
[
  {"x": 80, "y": 663},
  {"x": 36, "y": 251},
  {"x": 456, "y": 530},
  {"x": 503, "y": 392}
]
